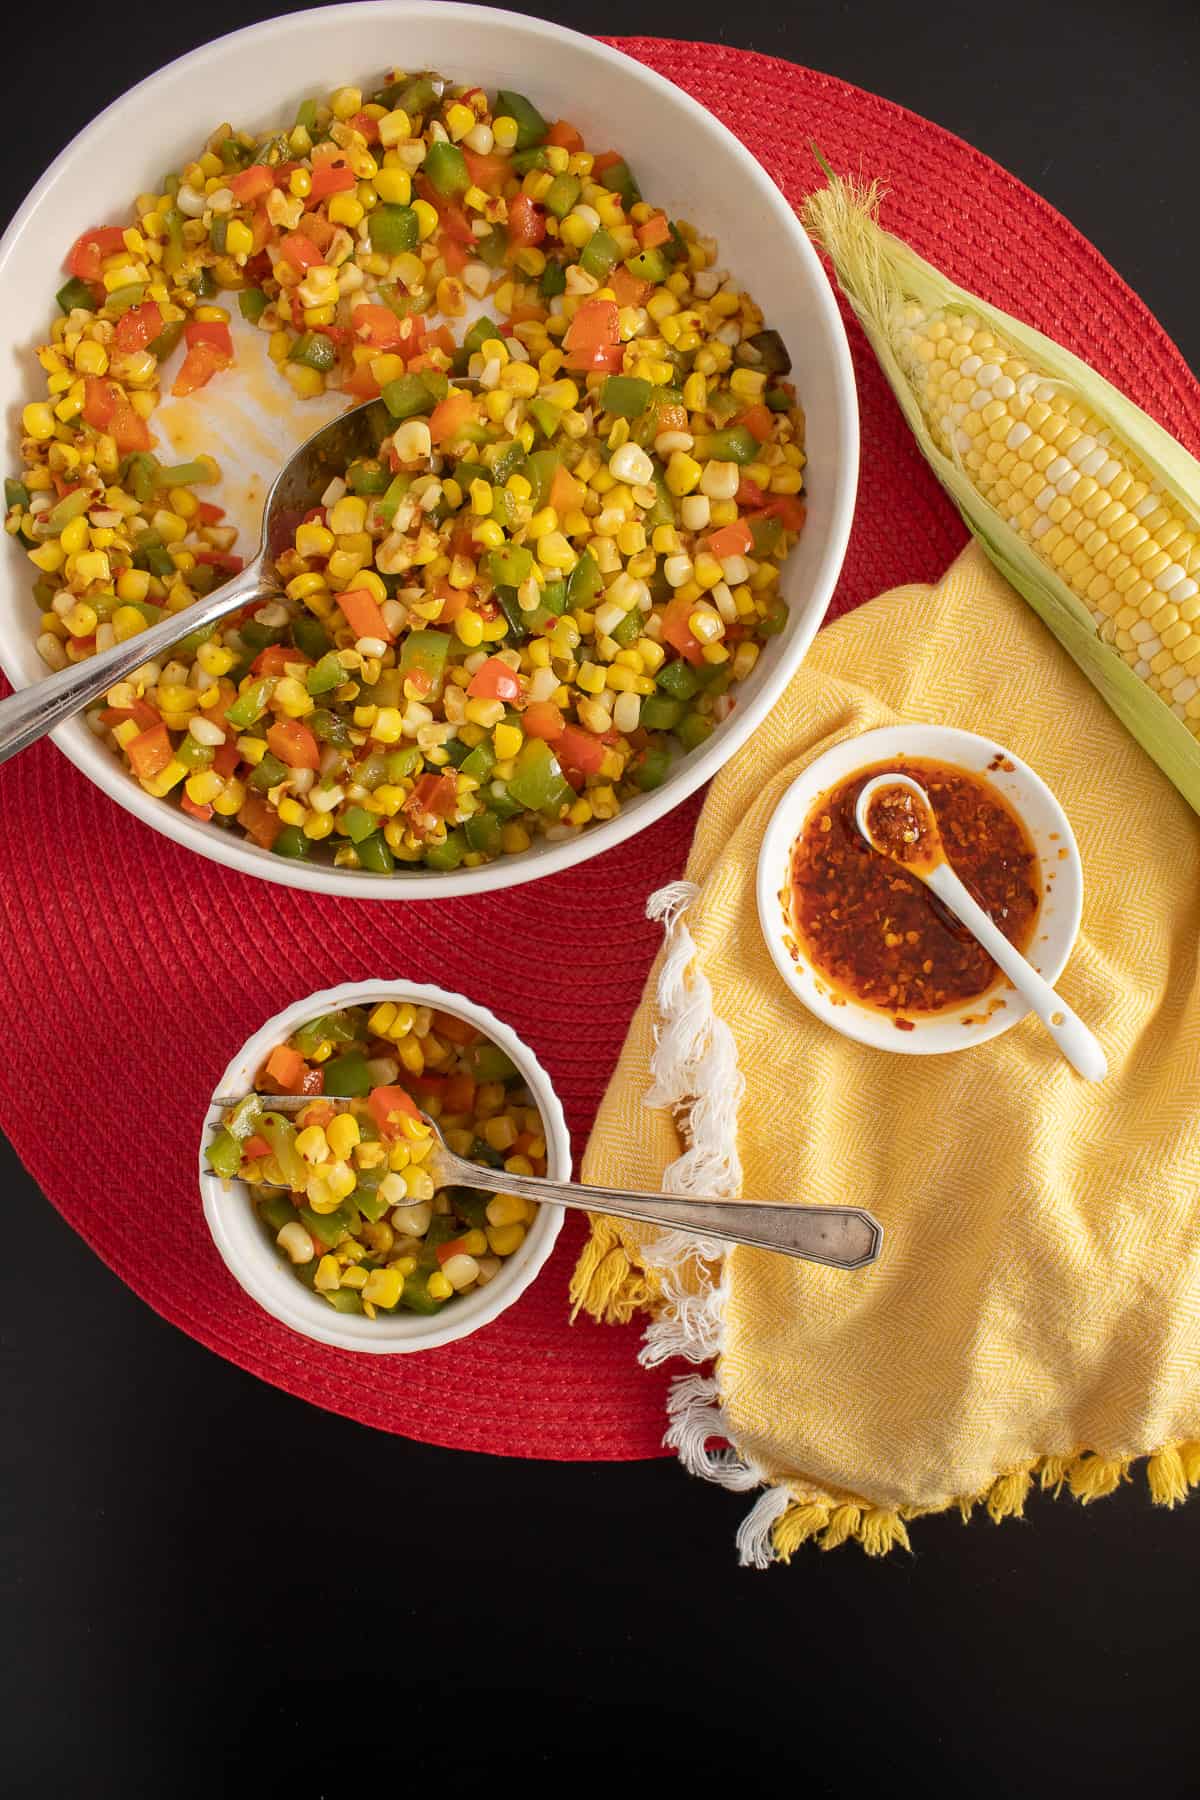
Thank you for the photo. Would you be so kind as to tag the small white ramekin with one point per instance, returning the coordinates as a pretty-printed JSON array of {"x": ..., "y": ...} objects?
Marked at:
[
  {"x": 975, "y": 1021},
  {"x": 267, "y": 1277}
]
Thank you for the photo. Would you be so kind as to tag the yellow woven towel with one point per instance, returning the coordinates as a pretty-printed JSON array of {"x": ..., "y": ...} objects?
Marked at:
[{"x": 1036, "y": 1311}]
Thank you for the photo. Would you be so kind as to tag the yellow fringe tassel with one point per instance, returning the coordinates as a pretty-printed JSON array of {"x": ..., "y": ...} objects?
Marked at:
[
  {"x": 1170, "y": 1473},
  {"x": 606, "y": 1283},
  {"x": 798, "y": 1524},
  {"x": 1092, "y": 1477}
]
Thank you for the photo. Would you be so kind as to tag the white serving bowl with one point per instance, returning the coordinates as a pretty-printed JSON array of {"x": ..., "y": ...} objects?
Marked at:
[
  {"x": 267, "y": 1277},
  {"x": 1061, "y": 872},
  {"x": 685, "y": 160}
]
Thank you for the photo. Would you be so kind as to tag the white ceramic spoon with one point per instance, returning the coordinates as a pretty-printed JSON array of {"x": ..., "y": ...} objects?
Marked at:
[{"x": 922, "y": 853}]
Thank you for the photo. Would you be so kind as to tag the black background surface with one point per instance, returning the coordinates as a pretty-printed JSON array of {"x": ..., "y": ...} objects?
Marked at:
[{"x": 208, "y": 1584}]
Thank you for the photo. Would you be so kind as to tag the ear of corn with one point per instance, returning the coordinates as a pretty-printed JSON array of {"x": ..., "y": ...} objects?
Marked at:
[{"x": 1090, "y": 509}]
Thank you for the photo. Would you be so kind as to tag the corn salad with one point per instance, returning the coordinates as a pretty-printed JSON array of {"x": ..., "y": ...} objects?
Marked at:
[
  {"x": 540, "y": 591},
  {"x": 344, "y": 1187}
]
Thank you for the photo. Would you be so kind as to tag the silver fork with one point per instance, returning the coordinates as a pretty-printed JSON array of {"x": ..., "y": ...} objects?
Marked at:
[{"x": 843, "y": 1237}]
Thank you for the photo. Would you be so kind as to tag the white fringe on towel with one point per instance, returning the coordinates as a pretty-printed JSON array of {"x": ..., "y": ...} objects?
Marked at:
[{"x": 696, "y": 1074}]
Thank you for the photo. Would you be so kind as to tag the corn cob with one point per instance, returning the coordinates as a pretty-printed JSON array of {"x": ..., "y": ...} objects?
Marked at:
[{"x": 1089, "y": 508}]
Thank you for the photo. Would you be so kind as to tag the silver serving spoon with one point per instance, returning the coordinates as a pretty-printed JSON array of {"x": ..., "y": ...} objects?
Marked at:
[
  {"x": 844, "y": 1237},
  {"x": 909, "y": 835},
  {"x": 33, "y": 711}
]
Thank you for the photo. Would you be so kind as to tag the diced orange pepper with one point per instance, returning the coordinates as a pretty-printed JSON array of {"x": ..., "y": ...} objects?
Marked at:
[
  {"x": 294, "y": 744},
  {"x": 149, "y": 752},
  {"x": 362, "y": 614},
  {"x": 286, "y": 1066}
]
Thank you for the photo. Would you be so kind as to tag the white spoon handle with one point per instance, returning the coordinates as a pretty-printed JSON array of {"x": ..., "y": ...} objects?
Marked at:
[{"x": 1072, "y": 1036}]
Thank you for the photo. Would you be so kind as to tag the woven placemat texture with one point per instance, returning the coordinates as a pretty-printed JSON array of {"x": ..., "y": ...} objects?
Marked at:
[{"x": 134, "y": 970}]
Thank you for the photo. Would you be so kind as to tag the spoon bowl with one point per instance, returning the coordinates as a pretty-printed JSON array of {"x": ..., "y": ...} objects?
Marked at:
[
  {"x": 35, "y": 710},
  {"x": 894, "y": 814}
]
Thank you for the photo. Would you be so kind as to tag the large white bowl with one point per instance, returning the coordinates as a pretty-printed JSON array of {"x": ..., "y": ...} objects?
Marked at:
[
  {"x": 685, "y": 160},
  {"x": 257, "y": 1265}
]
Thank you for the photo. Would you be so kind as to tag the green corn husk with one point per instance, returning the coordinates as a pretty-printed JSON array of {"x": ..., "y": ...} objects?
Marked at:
[{"x": 879, "y": 275}]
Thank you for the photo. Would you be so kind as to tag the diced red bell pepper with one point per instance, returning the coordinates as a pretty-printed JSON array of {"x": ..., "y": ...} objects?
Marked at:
[
  {"x": 107, "y": 408},
  {"x": 149, "y": 752},
  {"x": 455, "y": 1031},
  {"x": 255, "y": 1146},
  {"x": 542, "y": 719},
  {"x": 494, "y": 680},
  {"x": 750, "y": 494},
  {"x": 605, "y": 160},
  {"x": 362, "y": 614},
  {"x": 672, "y": 418},
  {"x": 454, "y": 601},
  {"x": 208, "y": 514},
  {"x": 365, "y": 123},
  {"x": 259, "y": 821},
  {"x": 678, "y": 632},
  {"x": 202, "y": 362},
  {"x": 566, "y": 491},
  {"x": 144, "y": 716},
  {"x": 759, "y": 421},
  {"x": 361, "y": 383},
  {"x": 453, "y": 254},
  {"x": 299, "y": 249},
  {"x": 595, "y": 326},
  {"x": 455, "y": 1247},
  {"x": 251, "y": 184},
  {"x": 227, "y": 560},
  {"x": 627, "y": 288},
  {"x": 138, "y": 327},
  {"x": 731, "y": 540},
  {"x": 450, "y": 415},
  {"x": 312, "y": 1081},
  {"x": 376, "y": 324},
  {"x": 580, "y": 750},
  {"x": 385, "y": 1104},
  {"x": 435, "y": 794},
  {"x": 330, "y": 175},
  {"x": 488, "y": 172},
  {"x": 286, "y": 1066},
  {"x": 655, "y": 231},
  {"x": 275, "y": 659},
  {"x": 294, "y": 744},
  {"x": 226, "y": 758},
  {"x": 455, "y": 222},
  {"x": 99, "y": 399},
  {"x": 787, "y": 508},
  {"x": 564, "y": 136},
  {"x": 606, "y": 359},
  {"x": 526, "y": 222},
  {"x": 459, "y": 1094},
  {"x": 91, "y": 248},
  {"x": 213, "y": 332}
]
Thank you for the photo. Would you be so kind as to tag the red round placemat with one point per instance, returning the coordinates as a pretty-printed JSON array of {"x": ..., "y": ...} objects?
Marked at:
[{"x": 152, "y": 966}]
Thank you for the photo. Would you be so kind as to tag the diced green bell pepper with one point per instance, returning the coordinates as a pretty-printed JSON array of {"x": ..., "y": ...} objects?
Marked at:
[
  {"x": 678, "y": 679},
  {"x": 251, "y": 704},
  {"x": 487, "y": 1062},
  {"x": 327, "y": 1028},
  {"x": 75, "y": 293},
  {"x": 325, "y": 675},
  {"x": 367, "y": 475},
  {"x": 540, "y": 469},
  {"x": 403, "y": 763},
  {"x": 737, "y": 445},
  {"x": 276, "y": 1211},
  {"x": 268, "y": 773},
  {"x": 280, "y": 1134},
  {"x": 648, "y": 265},
  {"x": 15, "y": 494},
  {"x": 329, "y": 727},
  {"x": 766, "y": 534},
  {"x": 224, "y": 1154},
  {"x": 625, "y": 396},
  {"x": 326, "y": 1228},
  {"x": 600, "y": 255},
  {"x": 447, "y": 855},
  {"x": 584, "y": 582},
  {"x": 481, "y": 761},
  {"x": 562, "y": 194},
  {"x": 493, "y": 249},
  {"x": 531, "y": 127},
  {"x": 446, "y": 168},
  {"x": 69, "y": 508},
  {"x": 510, "y": 565},
  {"x": 192, "y": 754},
  {"x": 775, "y": 620},
  {"x": 314, "y": 350},
  {"x": 423, "y": 656},
  {"x": 393, "y": 230},
  {"x": 346, "y": 1300},
  {"x": 629, "y": 629},
  {"x": 292, "y": 843},
  {"x": 482, "y": 832},
  {"x": 415, "y": 1295},
  {"x": 407, "y": 396},
  {"x": 537, "y": 781},
  {"x": 553, "y": 282},
  {"x": 660, "y": 713},
  {"x": 692, "y": 730},
  {"x": 545, "y": 415},
  {"x": 618, "y": 179},
  {"x": 374, "y": 854},
  {"x": 166, "y": 340},
  {"x": 348, "y": 1075},
  {"x": 653, "y": 769},
  {"x": 252, "y": 304}
]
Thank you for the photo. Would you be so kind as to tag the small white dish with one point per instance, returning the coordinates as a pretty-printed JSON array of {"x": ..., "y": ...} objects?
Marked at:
[
  {"x": 1060, "y": 872},
  {"x": 268, "y": 1278}
]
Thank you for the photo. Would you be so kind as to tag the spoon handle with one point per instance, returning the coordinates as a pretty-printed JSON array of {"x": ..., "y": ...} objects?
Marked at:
[
  {"x": 1077, "y": 1043},
  {"x": 32, "y": 711},
  {"x": 844, "y": 1237}
]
